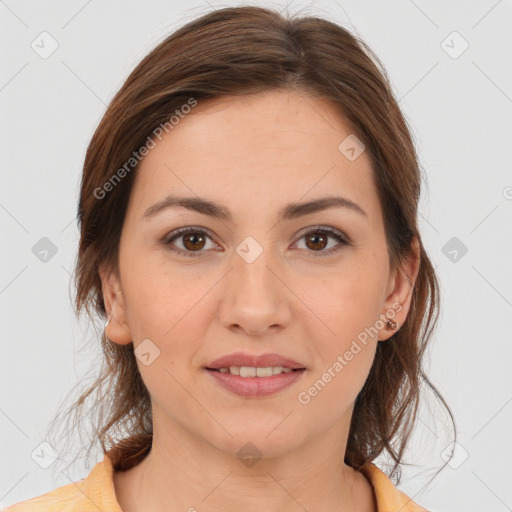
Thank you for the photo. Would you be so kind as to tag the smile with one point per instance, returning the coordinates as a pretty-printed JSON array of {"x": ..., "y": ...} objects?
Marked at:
[
  {"x": 250, "y": 371},
  {"x": 255, "y": 382}
]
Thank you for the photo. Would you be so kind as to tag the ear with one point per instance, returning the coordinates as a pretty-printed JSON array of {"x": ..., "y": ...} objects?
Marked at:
[
  {"x": 399, "y": 292},
  {"x": 117, "y": 329}
]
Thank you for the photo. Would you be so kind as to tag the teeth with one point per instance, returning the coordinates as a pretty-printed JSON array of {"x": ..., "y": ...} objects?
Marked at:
[
  {"x": 264, "y": 372},
  {"x": 246, "y": 371},
  {"x": 250, "y": 371}
]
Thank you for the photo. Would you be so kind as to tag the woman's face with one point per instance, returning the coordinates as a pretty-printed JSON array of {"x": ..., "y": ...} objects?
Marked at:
[{"x": 254, "y": 280}]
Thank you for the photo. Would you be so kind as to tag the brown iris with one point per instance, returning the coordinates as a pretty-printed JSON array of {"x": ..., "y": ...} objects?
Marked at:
[
  {"x": 314, "y": 238},
  {"x": 193, "y": 238}
]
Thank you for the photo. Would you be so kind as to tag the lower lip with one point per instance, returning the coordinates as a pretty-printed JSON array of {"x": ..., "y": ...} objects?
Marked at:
[{"x": 254, "y": 387}]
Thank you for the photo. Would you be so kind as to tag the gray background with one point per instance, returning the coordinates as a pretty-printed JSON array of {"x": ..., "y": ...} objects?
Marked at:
[{"x": 460, "y": 110}]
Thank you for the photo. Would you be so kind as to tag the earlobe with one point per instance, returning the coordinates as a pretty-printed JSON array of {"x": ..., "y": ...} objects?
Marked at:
[
  {"x": 117, "y": 331},
  {"x": 116, "y": 327}
]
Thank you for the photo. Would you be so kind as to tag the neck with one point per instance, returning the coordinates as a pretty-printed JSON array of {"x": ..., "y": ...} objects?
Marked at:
[{"x": 183, "y": 472}]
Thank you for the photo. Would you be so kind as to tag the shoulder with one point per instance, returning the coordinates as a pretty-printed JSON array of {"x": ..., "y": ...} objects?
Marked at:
[
  {"x": 90, "y": 494},
  {"x": 388, "y": 497}
]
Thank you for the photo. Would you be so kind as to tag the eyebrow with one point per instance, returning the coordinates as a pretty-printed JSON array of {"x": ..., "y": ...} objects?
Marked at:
[{"x": 214, "y": 209}]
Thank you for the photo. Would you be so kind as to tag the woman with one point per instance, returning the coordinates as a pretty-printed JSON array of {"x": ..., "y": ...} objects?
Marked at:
[{"x": 248, "y": 217}]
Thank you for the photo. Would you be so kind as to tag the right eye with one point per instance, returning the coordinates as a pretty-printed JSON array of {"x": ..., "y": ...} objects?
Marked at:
[{"x": 193, "y": 238}]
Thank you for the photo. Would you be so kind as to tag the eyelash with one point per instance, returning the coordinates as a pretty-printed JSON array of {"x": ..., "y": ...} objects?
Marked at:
[{"x": 343, "y": 241}]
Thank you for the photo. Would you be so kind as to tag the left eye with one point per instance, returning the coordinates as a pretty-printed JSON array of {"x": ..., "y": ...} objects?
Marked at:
[
  {"x": 194, "y": 238},
  {"x": 320, "y": 236}
]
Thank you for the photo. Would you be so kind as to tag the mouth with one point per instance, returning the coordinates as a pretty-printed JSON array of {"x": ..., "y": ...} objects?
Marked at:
[
  {"x": 252, "y": 371},
  {"x": 255, "y": 376},
  {"x": 254, "y": 365},
  {"x": 249, "y": 385}
]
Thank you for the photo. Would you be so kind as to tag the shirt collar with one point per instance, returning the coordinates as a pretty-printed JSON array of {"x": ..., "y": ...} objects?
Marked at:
[{"x": 387, "y": 496}]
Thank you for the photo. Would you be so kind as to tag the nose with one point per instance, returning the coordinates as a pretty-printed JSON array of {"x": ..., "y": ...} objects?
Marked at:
[{"x": 255, "y": 297}]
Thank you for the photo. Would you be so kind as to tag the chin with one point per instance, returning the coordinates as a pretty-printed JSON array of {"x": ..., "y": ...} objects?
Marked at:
[{"x": 256, "y": 442}]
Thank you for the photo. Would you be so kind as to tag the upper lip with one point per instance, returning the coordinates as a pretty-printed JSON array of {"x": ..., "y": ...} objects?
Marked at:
[{"x": 256, "y": 361}]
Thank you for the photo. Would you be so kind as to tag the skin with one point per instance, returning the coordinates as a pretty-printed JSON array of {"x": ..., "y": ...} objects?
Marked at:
[{"x": 252, "y": 154}]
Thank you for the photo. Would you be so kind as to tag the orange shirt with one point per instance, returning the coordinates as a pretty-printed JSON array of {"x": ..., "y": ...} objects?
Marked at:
[{"x": 97, "y": 493}]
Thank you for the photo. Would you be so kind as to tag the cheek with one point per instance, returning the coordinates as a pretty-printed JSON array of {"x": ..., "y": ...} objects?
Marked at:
[
  {"x": 346, "y": 349},
  {"x": 349, "y": 301},
  {"x": 348, "y": 306},
  {"x": 331, "y": 393},
  {"x": 171, "y": 307},
  {"x": 156, "y": 296}
]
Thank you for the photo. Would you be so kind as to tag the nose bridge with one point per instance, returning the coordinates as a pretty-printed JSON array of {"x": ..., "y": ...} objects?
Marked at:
[
  {"x": 254, "y": 297},
  {"x": 254, "y": 268}
]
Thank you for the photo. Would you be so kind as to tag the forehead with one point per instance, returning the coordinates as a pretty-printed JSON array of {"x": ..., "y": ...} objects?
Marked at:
[{"x": 268, "y": 148}]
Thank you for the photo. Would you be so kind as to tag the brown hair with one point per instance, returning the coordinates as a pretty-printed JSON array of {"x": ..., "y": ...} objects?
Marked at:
[{"x": 244, "y": 50}]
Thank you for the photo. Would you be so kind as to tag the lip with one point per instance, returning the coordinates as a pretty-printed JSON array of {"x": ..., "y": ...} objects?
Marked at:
[
  {"x": 255, "y": 387},
  {"x": 256, "y": 361}
]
